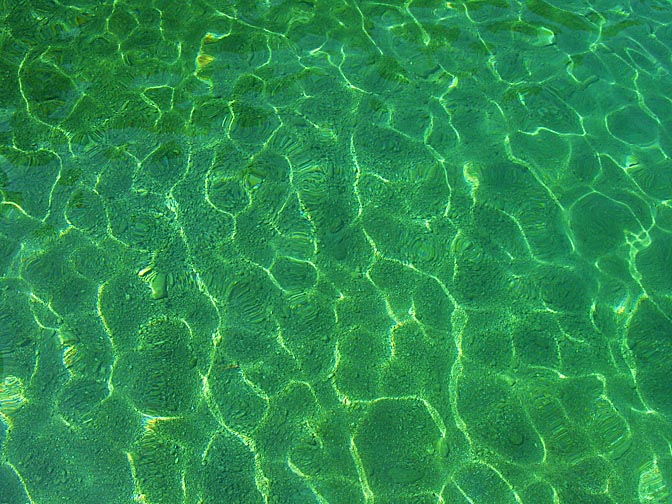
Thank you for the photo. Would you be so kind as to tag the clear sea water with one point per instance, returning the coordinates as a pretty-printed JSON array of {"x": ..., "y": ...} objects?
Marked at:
[{"x": 335, "y": 252}]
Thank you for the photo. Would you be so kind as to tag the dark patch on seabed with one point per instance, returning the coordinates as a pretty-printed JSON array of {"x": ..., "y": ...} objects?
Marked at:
[{"x": 335, "y": 252}]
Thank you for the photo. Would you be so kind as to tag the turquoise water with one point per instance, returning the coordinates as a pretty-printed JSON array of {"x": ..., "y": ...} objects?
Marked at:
[{"x": 335, "y": 252}]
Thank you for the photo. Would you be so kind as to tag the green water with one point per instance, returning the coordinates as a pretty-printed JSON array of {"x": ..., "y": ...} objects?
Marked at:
[{"x": 335, "y": 252}]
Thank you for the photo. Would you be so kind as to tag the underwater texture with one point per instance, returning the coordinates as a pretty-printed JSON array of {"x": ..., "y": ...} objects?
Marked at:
[{"x": 335, "y": 252}]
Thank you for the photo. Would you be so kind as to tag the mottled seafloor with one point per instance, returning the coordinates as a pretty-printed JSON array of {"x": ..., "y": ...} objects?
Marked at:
[{"x": 335, "y": 252}]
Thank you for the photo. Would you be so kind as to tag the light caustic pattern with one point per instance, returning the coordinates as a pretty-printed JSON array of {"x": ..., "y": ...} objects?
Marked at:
[{"x": 336, "y": 252}]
